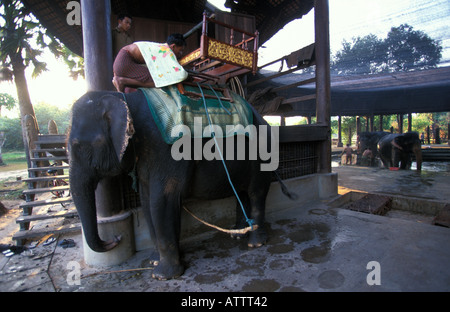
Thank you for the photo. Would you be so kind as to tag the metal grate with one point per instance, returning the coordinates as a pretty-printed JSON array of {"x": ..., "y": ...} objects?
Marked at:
[
  {"x": 131, "y": 198},
  {"x": 297, "y": 159}
]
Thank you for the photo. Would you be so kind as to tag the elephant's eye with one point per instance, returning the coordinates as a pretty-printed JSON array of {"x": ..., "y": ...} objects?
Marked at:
[{"x": 107, "y": 117}]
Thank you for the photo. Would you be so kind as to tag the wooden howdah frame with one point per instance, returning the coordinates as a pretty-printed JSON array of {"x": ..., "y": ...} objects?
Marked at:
[{"x": 218, "y": 61}]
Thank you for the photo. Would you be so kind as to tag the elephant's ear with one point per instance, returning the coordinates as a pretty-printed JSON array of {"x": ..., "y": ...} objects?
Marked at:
[
  {"x": 120, "y": 122},
  {"x": 400, "y": 140}
]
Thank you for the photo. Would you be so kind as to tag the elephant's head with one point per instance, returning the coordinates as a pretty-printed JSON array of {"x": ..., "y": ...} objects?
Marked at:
[
  {"x": 100, "y": 129},
  {"x": 369, "y": 140},
  {"x": 410, "y": 143}
]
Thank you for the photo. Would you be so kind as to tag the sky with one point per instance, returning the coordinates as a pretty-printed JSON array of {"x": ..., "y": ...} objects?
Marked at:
[
  {"x": 54, "y": 86},
  {"x": 348, "y": 18},
  {"x": 353, "y": 18}
]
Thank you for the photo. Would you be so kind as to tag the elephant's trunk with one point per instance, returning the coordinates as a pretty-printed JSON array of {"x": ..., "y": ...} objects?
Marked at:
[
  {"x": 100, "y": 130},
  {"x": 82, "y": 187},
  {"x": 418, "y": 154}
]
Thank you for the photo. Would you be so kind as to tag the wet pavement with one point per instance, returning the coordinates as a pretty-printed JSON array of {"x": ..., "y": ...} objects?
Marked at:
[{"x": 312, "y": 247}]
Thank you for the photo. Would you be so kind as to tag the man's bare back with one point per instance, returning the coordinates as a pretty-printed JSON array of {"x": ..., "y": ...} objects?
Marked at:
[{"x": 134, "y": 51}]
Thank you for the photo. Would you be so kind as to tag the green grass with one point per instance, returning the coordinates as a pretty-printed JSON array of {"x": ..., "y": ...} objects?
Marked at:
[
  {"x": 14, "y": 161},
  {"x": 11, "y": 189}
]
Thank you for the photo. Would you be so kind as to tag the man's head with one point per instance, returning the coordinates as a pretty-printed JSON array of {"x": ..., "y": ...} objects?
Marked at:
[
  {"x": 124, "y": 22},
  {"x": 177, "y": 44}
]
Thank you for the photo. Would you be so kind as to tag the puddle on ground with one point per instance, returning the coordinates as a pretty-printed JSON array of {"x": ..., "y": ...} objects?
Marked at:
[
  {"x": 308, "y": 231},
  {"x": 317, "y": 254},
  {"x": 208, "y": 278},
  {"x": 280, "y": 248},
  {"x": 281, "y": 264},
  {"x": 283, "y": 252},
  {"x": 330, "y": 279},
  {"x": 258, "y": 285},
  {"x": 318, "y": 211}
]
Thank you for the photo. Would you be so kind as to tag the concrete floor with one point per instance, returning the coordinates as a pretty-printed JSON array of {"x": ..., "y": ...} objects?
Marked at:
[{"x": 313, "y": 247}]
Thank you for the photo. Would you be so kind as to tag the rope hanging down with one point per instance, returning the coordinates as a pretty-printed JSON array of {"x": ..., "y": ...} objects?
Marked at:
[
  {"x": 249, "y": 221},
  {"x": 236, "y": 231}
]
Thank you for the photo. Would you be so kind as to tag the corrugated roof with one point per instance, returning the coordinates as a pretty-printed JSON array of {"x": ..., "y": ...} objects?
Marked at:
[
  {"x": 418, "y": 91},
  {"x": 53, "y": 16}
]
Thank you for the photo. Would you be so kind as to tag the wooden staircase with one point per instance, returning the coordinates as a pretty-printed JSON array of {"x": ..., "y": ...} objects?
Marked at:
[{"x": 48, "y": 188}]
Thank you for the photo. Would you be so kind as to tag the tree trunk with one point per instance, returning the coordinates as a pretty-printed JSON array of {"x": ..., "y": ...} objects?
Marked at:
[
  {"x": 2, "y": 142},
  {"x": 25, "y": 106}
]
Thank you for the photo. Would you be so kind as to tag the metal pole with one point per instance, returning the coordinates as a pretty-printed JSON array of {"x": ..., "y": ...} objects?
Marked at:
[{"x": 323, "y": 93}]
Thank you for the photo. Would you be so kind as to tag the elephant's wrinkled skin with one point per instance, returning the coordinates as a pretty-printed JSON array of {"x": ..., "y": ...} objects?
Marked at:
[
  {"x": 396, "y": 148},
  {"x": 101, "y": 127}
]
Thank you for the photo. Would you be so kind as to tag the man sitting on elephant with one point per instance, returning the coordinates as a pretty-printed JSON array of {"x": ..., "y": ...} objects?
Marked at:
[{"x": 161, "y": 59}]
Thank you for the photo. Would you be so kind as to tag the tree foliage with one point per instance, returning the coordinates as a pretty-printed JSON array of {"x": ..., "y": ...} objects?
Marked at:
[
  {"x": 362, "y": 55},
  {"x": 409, "y": 49},
  {"x": 7, "y": 101},
  {"x": 23, "y": 40},
  {"x": 22, "y": 43},
  {"x": 404, "y": 49},
  {"x": 44, "y": 113}
]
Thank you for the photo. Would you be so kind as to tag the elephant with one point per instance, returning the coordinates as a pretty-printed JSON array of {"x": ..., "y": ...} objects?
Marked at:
[
  {"x": 369, "y": 140},
  {"x": 397, "y": 148},
  {"x": 102, "y": 125}
]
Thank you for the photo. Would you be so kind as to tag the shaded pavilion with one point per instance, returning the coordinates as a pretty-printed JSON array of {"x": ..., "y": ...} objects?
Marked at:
[
  {"x": 401, "y": 93},
  {"x": 304, "y": 150}
]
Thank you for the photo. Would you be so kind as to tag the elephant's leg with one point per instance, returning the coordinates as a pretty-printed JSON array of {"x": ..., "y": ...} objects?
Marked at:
[
  {"x": 240, "y": 218},
  {"x": 144, "y": 191},
  {"x": 384, "y": 161},
  {"x": 402, "y": 161},
  {"x": 395, "y": 159},
  {"x": 165, "y": 217},
  {"x": 258, "y": 237},
  {"x": 405, "y": 161}
]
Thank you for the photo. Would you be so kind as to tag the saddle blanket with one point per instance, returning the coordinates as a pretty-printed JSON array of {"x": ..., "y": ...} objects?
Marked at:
[
  {"x": 170, "y": 109},
  {"x": 162, "y": 63}
]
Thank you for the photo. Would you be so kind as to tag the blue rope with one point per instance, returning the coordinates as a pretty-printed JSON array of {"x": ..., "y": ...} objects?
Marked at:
[
  {"x": 249, "y": 221},
  {"x": 218, "y": 97}
]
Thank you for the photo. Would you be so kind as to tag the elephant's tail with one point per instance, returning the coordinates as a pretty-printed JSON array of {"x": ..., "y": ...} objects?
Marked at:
[{"x": 284, "y": 189}]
